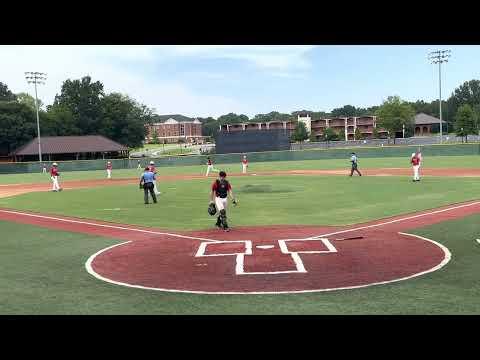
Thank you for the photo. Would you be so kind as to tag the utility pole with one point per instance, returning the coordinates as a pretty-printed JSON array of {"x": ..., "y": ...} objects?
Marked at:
[
  {"x": 36, "y": 78},
  {"x": 439, "y": 57}
]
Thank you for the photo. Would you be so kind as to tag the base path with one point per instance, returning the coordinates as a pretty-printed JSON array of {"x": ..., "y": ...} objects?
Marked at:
[
  {"x": 262, "y": 260},
  {"x": 17, "y": 189}
]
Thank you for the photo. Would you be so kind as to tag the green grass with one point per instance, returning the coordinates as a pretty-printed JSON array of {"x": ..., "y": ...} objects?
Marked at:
[
  {"x": 433, "y": 162},
  {"x": 263, "y": 200},
  {"x": 43, "y": 273}
]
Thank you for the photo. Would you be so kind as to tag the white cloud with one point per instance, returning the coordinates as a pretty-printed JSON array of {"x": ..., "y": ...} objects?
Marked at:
[
  {"x": 108, "y": 64},
  {"x": 283, "y": 57}
]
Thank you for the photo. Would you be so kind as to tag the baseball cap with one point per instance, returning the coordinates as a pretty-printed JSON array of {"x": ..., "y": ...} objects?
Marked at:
[
  {"x": 54, "y": 164},
  {"x": 152, "y": 163},
  {"x": 222, "y": 174}
]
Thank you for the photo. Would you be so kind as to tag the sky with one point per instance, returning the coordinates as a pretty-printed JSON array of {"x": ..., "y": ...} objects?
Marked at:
[{"x": 204, "y": 80}]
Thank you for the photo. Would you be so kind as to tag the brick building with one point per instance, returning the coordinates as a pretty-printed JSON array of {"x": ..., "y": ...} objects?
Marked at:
[
  {"x": 343, "y": 125},
  {"x": 175, "y": 130}
]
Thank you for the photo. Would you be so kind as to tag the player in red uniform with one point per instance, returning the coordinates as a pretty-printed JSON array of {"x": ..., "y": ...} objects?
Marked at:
[
  {"x": 220, "y": 189},
  {"x": 54, "y": 174},
  {"x": 244, "y": 164},
  {"x": 152, "y": 169},
  {"x": 210, "y": 166},
  {"x": 415, "y": 161},
  {"x": 109, "y": 170}
]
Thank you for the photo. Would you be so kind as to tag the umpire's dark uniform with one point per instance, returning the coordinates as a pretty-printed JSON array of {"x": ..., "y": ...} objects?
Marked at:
[
  {"x": 146, "y": 182},
  {"x": 354, "y": 162}
]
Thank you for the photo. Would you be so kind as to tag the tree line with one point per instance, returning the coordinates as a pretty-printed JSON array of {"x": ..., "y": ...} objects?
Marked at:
[
  {"x": 461, "y": 111},
  {"x": 81, "y": 108}
]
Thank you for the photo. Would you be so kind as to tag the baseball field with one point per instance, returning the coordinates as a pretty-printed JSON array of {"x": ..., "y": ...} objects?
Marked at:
[{"x": 305, "y": 239}]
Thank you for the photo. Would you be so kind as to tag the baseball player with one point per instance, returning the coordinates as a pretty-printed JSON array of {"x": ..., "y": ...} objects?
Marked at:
[
  {"x": 147, "y": 184},
  {"x": 244, "y": 164},
  {"x": 139, "y": 166},
  {"x": 210, "y": 166},
  {"x": 354, "y": 161},
  {"x": 54, "y": 174},
  {"x": 109, "y": 170},
  {"x": 44, "y": 169},
  {"x": 220, "y": 189},
  {"x": 154, "y": 171},
  {"x": 415, "y": 161}
]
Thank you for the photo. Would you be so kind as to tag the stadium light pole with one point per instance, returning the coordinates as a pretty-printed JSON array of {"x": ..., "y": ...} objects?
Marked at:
[
  {"x": 439, "y": 57},
  {"x": 36, "y": 78}
]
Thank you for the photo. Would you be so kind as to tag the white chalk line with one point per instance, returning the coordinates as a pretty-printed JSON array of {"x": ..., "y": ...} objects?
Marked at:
[
  {"x": 447, "y": 252},
  {"x": 106, "y": 226},
  {"x": 394, "y": 221},
  {"x": 446, "y": 259}
]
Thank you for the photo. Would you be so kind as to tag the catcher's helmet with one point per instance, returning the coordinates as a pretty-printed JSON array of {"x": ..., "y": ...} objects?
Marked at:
[{"x": 212, "y": 209}]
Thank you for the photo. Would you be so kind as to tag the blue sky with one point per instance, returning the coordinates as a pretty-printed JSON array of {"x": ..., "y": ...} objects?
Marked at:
[{"x": 214, "y": 80}]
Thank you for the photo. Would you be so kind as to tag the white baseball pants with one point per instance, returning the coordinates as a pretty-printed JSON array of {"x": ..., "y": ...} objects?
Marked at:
[
  {"x": 55, "y": 187},
  {"x": 416, "y": 175}
]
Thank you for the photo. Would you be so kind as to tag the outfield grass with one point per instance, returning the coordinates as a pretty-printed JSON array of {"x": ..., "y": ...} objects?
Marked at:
[
  {"x": 263, "y": 200},
  {"x": 43, "y": 273},
  {"x": 333, "y": 164}
]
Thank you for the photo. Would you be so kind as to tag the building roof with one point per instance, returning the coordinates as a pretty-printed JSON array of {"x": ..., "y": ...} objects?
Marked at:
[
  {"x": 176, "y": 117},
  {"x": 69, "y": 145},
  {"x": 424, "y": 119}
]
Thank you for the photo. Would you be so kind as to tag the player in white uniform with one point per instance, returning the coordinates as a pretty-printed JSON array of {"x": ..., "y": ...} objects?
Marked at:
[
  {"x": 210, "y": 166},
  {"x": 154, "y": 170},
  {"x": 244, "y": 164},
  {"x": 109, "y": 170},
  {"x": 54, "y": 174}
]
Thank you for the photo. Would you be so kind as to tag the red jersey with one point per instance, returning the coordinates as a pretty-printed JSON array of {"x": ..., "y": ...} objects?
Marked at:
[
  {"x": 109, "y": 166},
  {"x": 415, "y": 161},
  {"x": 53, "y": 171},
  {"x": 152, "y": 169},
  {"x": 221, "y": 188},
  {"x": 245, "y": 161}
]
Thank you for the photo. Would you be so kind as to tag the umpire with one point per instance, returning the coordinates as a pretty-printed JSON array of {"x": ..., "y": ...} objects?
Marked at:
[
  {"x": 146, "y": 182},
  {"x": 354, "y": 161}
]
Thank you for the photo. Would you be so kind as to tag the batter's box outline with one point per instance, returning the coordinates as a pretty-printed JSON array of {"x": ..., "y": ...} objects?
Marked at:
[{"x": 240, "y": 257}]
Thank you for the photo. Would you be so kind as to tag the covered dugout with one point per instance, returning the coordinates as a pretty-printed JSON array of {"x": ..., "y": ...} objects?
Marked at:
[
  {"x": 56, "y": 148},
  {"x": 252, "y": 141}
]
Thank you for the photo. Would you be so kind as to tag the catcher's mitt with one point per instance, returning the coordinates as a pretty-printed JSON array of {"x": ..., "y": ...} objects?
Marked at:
[{"x": 212, "y": 209}]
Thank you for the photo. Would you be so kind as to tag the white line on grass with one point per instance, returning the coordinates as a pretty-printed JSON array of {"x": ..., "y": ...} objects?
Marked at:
[
  {"x": 393, "y": 221},
  {"x": 107, "y": 226}
]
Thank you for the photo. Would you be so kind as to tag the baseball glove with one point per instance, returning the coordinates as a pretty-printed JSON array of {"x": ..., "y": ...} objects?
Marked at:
[{"x": 212, "y": 209}]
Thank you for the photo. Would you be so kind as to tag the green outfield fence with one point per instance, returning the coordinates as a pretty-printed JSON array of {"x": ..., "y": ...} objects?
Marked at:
[{"x": 317, "y": 154}]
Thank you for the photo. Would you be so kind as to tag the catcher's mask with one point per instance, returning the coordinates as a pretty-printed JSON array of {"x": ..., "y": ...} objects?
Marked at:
[{"x": 212, "y": 209}]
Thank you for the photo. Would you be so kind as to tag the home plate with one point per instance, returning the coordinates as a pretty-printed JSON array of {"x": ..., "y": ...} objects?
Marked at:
[{"x": 264, "y": 246}]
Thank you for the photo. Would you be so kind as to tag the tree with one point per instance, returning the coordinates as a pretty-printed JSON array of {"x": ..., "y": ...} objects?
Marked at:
[
  {"x": 466, "y": 121},
  {"x": 5, "y": 94},
  {"x": 123, "y": 119},
  {"x": 58, "y": 121},
  {"x": 29, "y": 100},
  {"x": 329, "y": 135},
  {"x": 467, "y": 93},
  {"x": 300, "y": 134},
  {"x": 375, "y": 133},
  {"x": 271, "y": 116},
  {"x": 154, "y": 136},
  {"x": 345, "y": 111},
  {"x": 18, "y": 125},
  {"x": 83, "y": 99},
  {"x": 358, "y": 134},
  {"x": 210, "y": 126},
  {"x": 232, "y": 118},
  {"x": 393, "y": 114}
]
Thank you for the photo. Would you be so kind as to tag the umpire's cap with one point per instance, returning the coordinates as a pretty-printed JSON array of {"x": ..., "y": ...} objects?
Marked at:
[{"x": 222, "y": 174}]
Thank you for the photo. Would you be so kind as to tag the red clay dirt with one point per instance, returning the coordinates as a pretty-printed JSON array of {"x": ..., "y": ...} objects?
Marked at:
[
  {"x": 17, "y": 189},
  {"x": 211, "y": 261}
]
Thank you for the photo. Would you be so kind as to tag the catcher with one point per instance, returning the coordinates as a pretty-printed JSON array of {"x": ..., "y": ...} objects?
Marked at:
[{"x": 219, "y": 200}]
